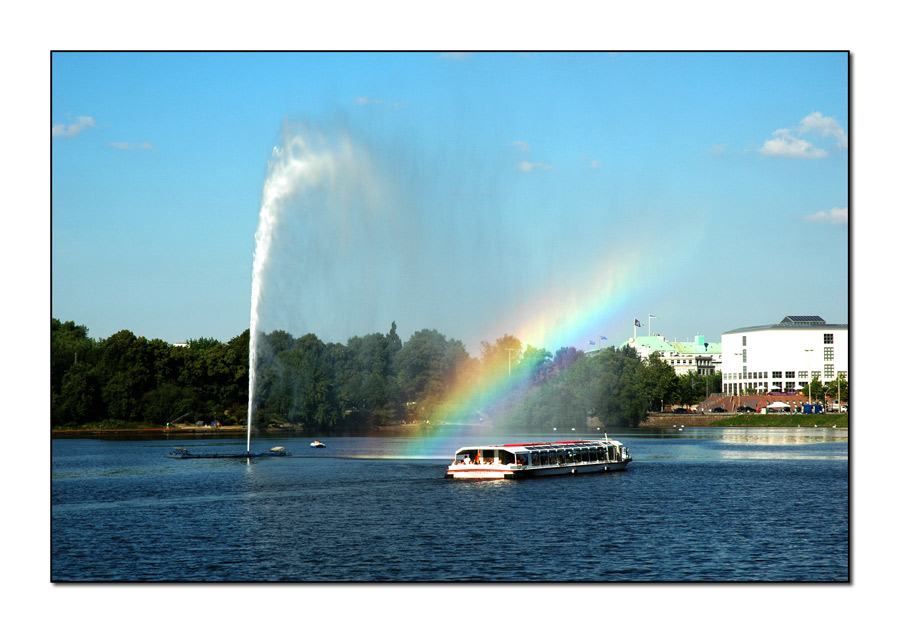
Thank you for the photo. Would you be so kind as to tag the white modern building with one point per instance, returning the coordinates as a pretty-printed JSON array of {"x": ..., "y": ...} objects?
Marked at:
[
  {"x": 784, "y": 356},
  {"x": 696, "y": 356}
]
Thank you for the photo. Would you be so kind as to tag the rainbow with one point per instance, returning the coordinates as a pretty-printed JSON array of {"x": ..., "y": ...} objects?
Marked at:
[{"x": 570, "y": 311}]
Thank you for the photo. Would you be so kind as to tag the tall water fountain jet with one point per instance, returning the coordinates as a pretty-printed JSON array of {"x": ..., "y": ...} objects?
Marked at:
[{"x": 306, "y": 163}]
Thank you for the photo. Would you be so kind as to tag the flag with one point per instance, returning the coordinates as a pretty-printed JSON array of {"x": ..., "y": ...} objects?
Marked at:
[
  {"x": 653, "y": 316},
  {"x": 602, "y": 338},
  {"x": 637, "y": 323},
  {"x": 591, "y": 343}
]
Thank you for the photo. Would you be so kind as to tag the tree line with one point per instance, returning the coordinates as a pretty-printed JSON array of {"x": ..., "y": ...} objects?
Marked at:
[{"x": 368, "y": 381}]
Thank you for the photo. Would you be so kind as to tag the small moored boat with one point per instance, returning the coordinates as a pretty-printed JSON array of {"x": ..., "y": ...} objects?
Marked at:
[
  {"x": 278, "y": 451},
  {"x": 317, "y": 444},
  {"x": 179, "y": 453},
  {"x": 538, "y": 459}
]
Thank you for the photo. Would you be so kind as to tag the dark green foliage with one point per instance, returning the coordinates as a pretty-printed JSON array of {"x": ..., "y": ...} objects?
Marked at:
[
  {"x": 694, "y": 388},
  {"x": 127, "y": 378},
  {"x": 371, "y": 380}
]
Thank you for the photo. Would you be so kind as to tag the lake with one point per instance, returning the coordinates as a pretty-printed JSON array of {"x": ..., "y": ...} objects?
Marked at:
[{"x": 700, "y": 504}]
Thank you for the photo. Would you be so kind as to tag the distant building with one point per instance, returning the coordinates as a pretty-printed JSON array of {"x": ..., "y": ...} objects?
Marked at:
[
  {"x": 784, "y": 356},
  {"x": 698, "y": 356}
]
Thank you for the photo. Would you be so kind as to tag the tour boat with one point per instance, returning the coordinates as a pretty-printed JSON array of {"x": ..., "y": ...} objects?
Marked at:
[
  {"x": 538, "y": 459},
  {"x": 317, "y": 444}
]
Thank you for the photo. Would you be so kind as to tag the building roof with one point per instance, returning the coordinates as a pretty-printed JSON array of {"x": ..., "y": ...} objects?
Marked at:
[
  {"x": 794, "y": 323},
  {"x": 697, "y": 348},
  {"x": 658, "y": 343},
  {"x": 803, "y": 320}
]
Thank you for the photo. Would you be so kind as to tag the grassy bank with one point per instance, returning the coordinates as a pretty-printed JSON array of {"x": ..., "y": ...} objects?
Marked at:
[{"x": 839, "y": 420}]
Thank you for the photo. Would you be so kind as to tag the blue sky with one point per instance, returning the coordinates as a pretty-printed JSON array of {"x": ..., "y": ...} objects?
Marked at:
[{"x": 713, "y": 187}]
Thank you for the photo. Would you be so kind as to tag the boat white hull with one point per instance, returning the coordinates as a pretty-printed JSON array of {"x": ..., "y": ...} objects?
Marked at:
[{"x": 476, "y": 471}]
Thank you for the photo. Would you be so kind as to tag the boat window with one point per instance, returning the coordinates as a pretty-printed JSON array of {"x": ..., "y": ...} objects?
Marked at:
[
  {"x": 560, "y": 457},
  {"x": 592, "y": 455}
]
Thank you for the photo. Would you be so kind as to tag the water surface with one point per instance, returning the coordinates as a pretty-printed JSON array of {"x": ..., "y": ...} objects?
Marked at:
[{"x": 695, "y": 505}]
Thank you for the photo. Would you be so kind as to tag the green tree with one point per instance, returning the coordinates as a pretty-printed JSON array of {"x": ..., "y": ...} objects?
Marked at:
[
  {"x": 79, "y": 399},
  {"x": 659, "y": 382},
  {"x": 814, "y": 389},
  {"x": 694, "y": 388},
  {"x": 620, "y": 390},
  {"x": 125, "y": 374},
  {"x": 839, "y": 387},
  {"x": 428, "y": 368}
]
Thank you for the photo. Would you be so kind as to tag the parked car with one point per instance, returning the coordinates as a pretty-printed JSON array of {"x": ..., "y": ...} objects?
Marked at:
[
  {"x": 717, "y": 410},
  {"x": 746, "y": 409}
]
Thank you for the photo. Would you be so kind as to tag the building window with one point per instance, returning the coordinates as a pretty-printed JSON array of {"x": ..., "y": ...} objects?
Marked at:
[
  {"x": 744, "y": 341},
  {"x": 829, "y": 371},
  {"x": 745, "y": 356},
  {"x": 829, "y": 353},
  {"x": 788, "y": 386},
  {"x": 776, "y": 374},
  {"x": 776, "y": 386},
  {"x": 802, "y": 374},
  {"x": 829, "y": 339},
  {"x": 789, "y": 374},
  {"x": 816, "y": 373},
  {"x": 842, "y": 374}
]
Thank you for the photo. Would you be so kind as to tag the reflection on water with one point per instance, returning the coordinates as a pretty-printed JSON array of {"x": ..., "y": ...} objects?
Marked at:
[
  {"x": 780, "y": 436},
  {"x": 785, "y": 443}
]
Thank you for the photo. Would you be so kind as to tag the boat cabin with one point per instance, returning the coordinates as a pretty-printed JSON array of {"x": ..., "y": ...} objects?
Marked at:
[
  {"x": 553, "y": 454},
  {"x": 538, "y": 459}
]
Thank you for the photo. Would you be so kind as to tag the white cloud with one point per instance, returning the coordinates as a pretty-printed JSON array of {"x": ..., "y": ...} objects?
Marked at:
[
  {"x": 787, "y": 142},
  {"x": 787, "y": 145},
  {"x": 825, "y": 126},
  {"x": 837, "y": 215},
  {"x": 143, "y": 145},
  {"x": 522, "y": 145},
  {"x": 81, "y": 124},
  {"x": 529, "y": 167}
]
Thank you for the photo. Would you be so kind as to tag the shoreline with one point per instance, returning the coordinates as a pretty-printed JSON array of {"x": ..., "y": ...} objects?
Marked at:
[{"x": 666, "y": 420}]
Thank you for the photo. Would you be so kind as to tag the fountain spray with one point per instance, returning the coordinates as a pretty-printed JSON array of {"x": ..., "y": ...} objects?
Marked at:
[{"x": 306, "y": 162}]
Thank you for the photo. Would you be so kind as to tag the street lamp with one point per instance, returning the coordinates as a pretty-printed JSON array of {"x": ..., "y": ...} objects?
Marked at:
[
  {"x": 739, "y": 380},
  {"x": 809, "y": 376}
]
